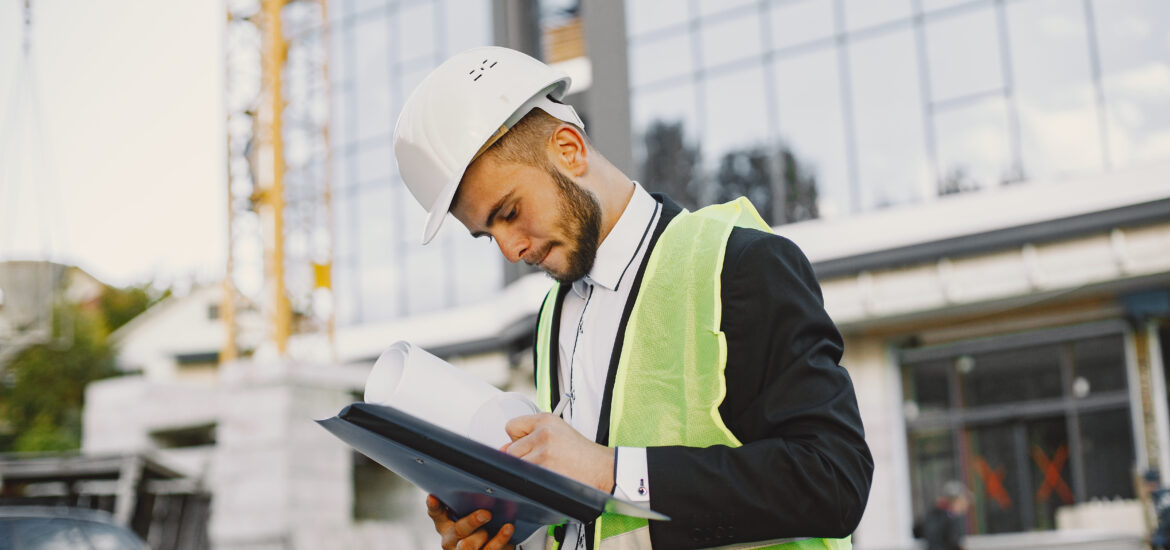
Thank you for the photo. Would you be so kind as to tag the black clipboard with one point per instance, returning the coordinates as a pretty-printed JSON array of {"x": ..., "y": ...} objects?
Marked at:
[{"x": 467, "y": 475}]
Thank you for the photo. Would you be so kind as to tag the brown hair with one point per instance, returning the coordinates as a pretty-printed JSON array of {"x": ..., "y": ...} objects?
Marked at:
[{"x": 526, "y": 141}]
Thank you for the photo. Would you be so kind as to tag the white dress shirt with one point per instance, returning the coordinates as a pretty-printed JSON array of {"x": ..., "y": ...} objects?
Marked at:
[{"x": 590, "y": 315}]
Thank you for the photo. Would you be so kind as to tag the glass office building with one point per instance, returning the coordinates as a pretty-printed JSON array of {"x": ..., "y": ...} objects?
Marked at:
[{"x": 380, "y": 51}]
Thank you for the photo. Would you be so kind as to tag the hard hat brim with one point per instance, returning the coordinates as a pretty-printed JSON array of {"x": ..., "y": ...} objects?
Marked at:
[{"x": 439, "y": 211}]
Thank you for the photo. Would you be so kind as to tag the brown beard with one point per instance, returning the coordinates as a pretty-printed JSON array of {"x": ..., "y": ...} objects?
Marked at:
[{"x": 580, "y": 219}]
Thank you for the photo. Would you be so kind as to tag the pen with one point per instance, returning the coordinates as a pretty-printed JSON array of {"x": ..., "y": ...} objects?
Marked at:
[{"x": 560, "y": 410}]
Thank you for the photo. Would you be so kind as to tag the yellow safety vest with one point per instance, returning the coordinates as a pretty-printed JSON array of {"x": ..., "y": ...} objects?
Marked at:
[{"x": 672, "y": 341}]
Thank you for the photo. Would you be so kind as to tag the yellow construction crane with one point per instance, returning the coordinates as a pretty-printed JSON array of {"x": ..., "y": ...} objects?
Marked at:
[{"x": 280, "y": 227}]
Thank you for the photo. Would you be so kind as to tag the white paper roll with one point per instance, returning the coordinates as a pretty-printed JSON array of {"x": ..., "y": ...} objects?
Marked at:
[{"x": 412, "y": 380}]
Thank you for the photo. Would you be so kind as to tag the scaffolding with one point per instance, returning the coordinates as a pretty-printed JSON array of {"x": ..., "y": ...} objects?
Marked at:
[{"x": 280, "y": 237}]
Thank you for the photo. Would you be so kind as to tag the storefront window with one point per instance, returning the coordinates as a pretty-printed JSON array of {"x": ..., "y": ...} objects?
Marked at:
[{"x": 1027, "y": 429}]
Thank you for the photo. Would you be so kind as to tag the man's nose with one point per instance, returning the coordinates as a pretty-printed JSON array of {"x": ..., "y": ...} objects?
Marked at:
[{"x": 513, "y": 246}]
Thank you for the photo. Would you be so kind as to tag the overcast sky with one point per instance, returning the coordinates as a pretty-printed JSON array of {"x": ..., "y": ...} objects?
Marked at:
[{"x": 132, "y": 186}]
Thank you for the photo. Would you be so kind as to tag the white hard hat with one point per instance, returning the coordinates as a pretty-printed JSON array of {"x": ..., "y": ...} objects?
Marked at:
[{"x": 470, "y": 99}]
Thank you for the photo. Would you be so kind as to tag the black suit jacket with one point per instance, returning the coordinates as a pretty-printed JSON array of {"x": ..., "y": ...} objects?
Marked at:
[{"x": 804, "y": 469}]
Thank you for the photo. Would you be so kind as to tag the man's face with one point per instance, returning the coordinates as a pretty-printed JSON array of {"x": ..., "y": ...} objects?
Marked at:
[{"x": 535, "y": 214}]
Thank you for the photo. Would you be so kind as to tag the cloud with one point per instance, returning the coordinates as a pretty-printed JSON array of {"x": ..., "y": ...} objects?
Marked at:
[{"x": 1150, "y": 81}]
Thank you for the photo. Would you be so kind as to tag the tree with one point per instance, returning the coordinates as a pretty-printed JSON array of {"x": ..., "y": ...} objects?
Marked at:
[
  {"x": 956, "y": 181},
  {"x": 42, "y": 389},
  {"x": 777, "y": 183},
  {"x": 671, "y": 165}
]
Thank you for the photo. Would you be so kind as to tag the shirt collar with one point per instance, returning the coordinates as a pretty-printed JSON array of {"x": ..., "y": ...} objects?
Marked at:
[{"x": 621, "y": 246}]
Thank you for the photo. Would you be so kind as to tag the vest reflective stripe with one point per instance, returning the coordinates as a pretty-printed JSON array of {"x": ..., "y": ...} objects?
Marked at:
[{"x": 672, "y": 347}]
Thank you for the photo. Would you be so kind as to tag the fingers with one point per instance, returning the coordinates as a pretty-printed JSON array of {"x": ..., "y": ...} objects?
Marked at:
[
  {"x": 469, "y": 524},
  {"x": 467, "y": 532},
  {"x": 522, "y": 425},
  {"x": 438, "y": 513},
  {"x": 500, "y": 541}
]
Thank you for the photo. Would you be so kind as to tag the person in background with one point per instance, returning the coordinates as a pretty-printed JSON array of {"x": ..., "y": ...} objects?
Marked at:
[{"x": 944, "y": 525}]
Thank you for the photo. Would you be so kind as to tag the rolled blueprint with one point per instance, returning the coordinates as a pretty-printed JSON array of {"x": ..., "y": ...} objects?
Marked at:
[{"x": 413, "y": 381}]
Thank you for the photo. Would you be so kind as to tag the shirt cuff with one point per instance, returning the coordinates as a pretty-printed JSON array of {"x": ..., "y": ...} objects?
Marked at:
[{"x": 631, "y": 479}]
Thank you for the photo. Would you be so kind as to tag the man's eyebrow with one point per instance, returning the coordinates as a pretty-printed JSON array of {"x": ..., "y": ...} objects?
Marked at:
[{"x": 492, "y": 214}]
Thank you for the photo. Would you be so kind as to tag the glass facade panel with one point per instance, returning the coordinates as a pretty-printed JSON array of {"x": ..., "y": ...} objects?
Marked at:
[
  {"x": 467, "y": 25},
  {"x": 995, "y": 478},
  {"x": 930, "y": 386},
  {"x": 660, "y": 59},
  {"x": 1054, "y": 92},
  {"x": 417, "y": 32},
  {"x": 425, "y": 279},
  {"x": 376, "y": 212},
  {"x": 973, "y": 146},
  {"x": 380, "y": 55},
  {"x": 644, "y": 16},
  {"x": 346, "y": 293},
  {"x": 374, "y": 110},
  {"x": 1106, "y": 437},
  {"x": 932, "y": 463},
  {"x": 808, "y": 96},
  {"x": 800, "y": 21},
  {"x": 346, "y": 206},
  {"x": 1096, "y": 361},
  {"x": 381, "y": 293},
  {"x": 963, "y": 53},
  {"x": 932, "y": 5},
  {"x": 1049, "y": 469},
  {"x": 736, "y": 115},
  {"x": 1135, "y": 71},
  {"x": 710, "y": 7},
  {"x": 361, "y": 6},
  {"x": 481, "y": 257},
  {"x": 374, "y": 162},
  {"x": 892, "y": 163},
  {"x": 1005, "y": 377},
  {"x": 730, "y": 40},
  {"x": 669, "y": 105},
  {"x": 860, "y": 14}
]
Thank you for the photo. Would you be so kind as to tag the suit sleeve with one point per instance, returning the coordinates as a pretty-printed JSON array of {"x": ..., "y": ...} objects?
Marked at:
[{"x": 804, "y": 469}]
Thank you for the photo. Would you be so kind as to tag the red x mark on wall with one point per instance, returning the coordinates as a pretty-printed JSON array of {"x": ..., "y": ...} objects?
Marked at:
[
  {"x": 1051, "y": 469},
  {"x": 993, "y": 483}
]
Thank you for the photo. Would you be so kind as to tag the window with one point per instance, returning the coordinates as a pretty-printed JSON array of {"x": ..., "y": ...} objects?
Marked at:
[
  {"x": 1028, "y": 425},
  {"x": 190, "y": 436},
  {"x": 1135, "y": 70},
  {"x": 887, "y": 105},
  {"x": 1059, "y": 127},
  {"x": 808, "y": 97},
  {"x": 801, "y": 21},
  {"x": 964, "y": 54}
]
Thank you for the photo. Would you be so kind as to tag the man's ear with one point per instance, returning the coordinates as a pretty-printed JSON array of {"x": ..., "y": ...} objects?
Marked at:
[{"x": 570, "y": 150}]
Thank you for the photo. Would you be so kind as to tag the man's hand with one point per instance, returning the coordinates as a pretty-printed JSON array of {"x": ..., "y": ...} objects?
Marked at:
[
  {"x": 548, "y": 440},
  {"x": 466, "y": 534}
]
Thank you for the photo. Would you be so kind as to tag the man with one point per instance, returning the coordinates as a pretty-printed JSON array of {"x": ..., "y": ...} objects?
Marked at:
[
  {"x": 689, "y": 354},
  {"x": 943, "y": 525}
]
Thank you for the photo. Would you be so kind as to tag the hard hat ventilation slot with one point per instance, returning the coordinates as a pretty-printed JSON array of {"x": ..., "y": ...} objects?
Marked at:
[{"x": 476, "y": 73}]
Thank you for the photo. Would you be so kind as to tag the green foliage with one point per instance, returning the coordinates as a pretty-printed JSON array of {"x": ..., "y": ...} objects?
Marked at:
[
  {"x": 42, "y": 389},
  {"x": 119, "y": 306},
  {"x": 671, "y": 165}
]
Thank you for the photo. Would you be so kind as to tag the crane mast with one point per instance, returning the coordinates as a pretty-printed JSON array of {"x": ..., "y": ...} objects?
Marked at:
[{"x": 280, "y": 228}]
